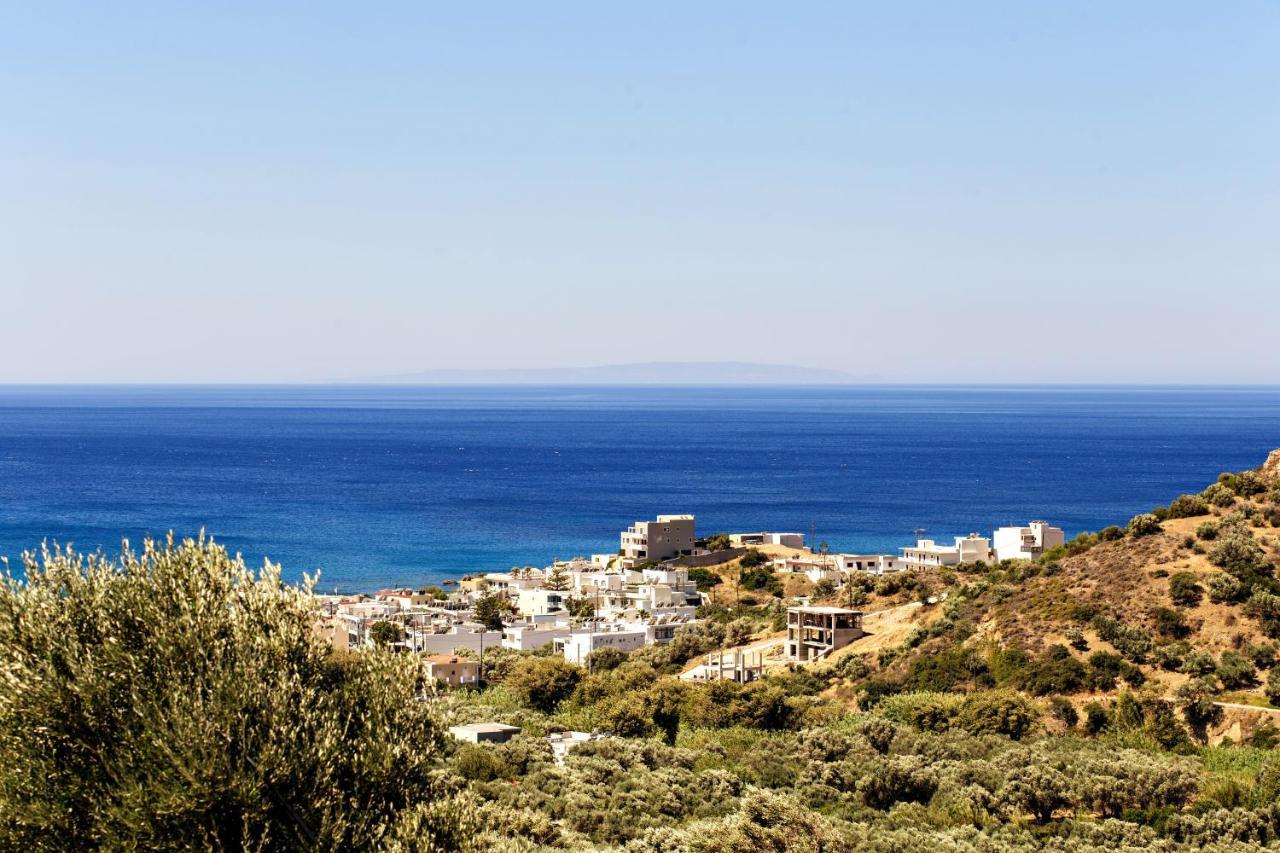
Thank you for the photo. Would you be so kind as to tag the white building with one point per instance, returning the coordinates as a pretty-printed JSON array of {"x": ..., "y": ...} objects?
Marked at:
[
  {"x": 928, "y": 554},
  {"x": 528, "y": 638},
  {"x": 1027, "y": 543},
  {"x": 562, "y": 743},
  {"x": 876, "y": 564},
  {"x": 540, "y": 602},
  {"x": 669, "y": 536},
  {"x": 746, "y": 540},
  {"x": 621, "y": 636}
]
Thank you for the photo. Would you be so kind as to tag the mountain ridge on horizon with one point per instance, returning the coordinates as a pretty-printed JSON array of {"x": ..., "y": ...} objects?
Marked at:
[{"x": 634, "y": 373}]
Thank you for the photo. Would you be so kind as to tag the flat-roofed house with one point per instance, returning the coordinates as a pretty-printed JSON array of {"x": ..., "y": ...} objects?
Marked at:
[
  {"x": 928, "y": 554},
  {"x": 484, "y": 732},
  {"x": 452, "y": 670},
  {"x": 1027, "y": 543},
  {"x": 815, "y": 632}
]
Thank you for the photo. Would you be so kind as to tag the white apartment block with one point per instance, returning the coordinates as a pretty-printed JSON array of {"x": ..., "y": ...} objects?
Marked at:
[
  {"x": 670, "y": 536},
  {"x": 928, "y": 554},
  {"x": 1027, "y": 543}
]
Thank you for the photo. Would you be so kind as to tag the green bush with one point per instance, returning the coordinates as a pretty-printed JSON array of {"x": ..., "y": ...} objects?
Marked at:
[
  {"x": 1185, "y": 590},
  {"x": 543, "y": 683},
  {"x": 1219, "y": 495},
  {"x": 1186, "y": 506},
  {"x": 1208, "y": 530},
  {"x": 1145, "y": 524}
]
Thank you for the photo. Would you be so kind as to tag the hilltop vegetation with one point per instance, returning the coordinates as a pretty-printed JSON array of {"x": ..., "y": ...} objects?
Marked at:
[{"x": 173, "y": 699}]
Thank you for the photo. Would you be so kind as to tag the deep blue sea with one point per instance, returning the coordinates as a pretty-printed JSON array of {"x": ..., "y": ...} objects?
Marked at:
[{"x": 407, "y": 485}]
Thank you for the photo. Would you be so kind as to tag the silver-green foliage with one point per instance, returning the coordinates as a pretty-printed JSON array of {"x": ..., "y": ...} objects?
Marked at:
[{"x": 173, "y": 699}]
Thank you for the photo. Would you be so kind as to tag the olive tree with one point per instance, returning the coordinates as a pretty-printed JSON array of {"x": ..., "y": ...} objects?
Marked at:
[{"x": 173, "y": 699}]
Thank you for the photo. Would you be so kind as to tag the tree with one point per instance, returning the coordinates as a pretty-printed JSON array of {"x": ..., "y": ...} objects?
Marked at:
[
  {"x": 557, "y": 581},
  {"x": 385, "y": 633},
  {"x": 489, "y": 610},
  {"x": 543, "y": 683},
  {"x": 1037, "y": 789},
  {"x": 173, "y": 699},
  {"x": 1196, "y": 700},
  {"x": 1273, "y": 686}
]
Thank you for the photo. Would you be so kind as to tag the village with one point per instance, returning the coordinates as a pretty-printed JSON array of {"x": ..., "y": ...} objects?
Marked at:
[{"x": 641, "y": 595}]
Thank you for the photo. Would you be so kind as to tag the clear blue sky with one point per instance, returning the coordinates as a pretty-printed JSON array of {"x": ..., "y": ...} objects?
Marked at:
[{"x": 957, "y": 192}]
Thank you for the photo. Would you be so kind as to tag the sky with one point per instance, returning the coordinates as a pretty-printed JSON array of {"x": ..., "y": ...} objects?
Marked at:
[{"x": 909, "y": 192}]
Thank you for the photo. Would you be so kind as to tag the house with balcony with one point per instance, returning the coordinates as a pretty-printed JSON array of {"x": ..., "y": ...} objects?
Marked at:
[
  {"x": 668, "y": 537},
  {"x": 928, "y": 554},
  {"x": 1026, "y": 543}
]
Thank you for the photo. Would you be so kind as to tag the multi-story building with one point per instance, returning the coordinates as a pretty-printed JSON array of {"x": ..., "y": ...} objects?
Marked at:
[
  {"x": 815, "y": 632},
  {"x": 670, "y": 536},
  {"x": 452, "y": 670},
  {"x": 928, "y": 554},
  {"x": 1026, "y": 543}
]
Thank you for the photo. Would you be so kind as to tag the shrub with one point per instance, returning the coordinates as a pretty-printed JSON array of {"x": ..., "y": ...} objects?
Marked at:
[
  {"x": 1145, "y": 524},
  {"x": 543, "y": 683},
  {"x": 1076, "y": 638},
  {"x": 927, "y": 712},
  {"x": 1208, "y": 530},
  {"x": 996, "y": 712},
  {"x": 896, "y": 779},
  {"x": 1170, "y": 623},
  {"x": 1184, "y": 590},
  {"x": 1265, "y": 607},
  {"x": 1096, "y": 718},
  {"x": 1239, "y": 555},
  {"x": 1224, "y": 588},
  {"x": 1186, "y": 506},
  {"x": 753, "y": 558},
  {"x": 1219, "y": 495},
  {"x": 1236, "y": 671},
  {"x": 1063, "y": 711},
  {"x": 1272, "y": 688}
]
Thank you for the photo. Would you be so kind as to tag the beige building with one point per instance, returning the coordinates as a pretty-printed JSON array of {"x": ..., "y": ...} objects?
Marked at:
[
  {"x": 815, "y": 632},
  {"x": 453, "y": 671},
  {"x": 669, "y": 536}
]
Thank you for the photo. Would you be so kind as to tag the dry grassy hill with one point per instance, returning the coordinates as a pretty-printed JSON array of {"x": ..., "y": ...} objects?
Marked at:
[{"x": 1183, "y": 604}]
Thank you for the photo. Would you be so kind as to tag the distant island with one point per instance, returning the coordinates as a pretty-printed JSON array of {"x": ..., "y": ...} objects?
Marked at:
[{"x": 645, "y": 373}]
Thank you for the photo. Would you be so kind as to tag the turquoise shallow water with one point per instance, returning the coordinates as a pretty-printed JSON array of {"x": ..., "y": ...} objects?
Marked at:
[{"x": 380, "y": 485}]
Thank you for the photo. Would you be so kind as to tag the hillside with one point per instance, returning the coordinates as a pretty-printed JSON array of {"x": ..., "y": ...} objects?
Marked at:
[{"x": 1180, "y": 606}]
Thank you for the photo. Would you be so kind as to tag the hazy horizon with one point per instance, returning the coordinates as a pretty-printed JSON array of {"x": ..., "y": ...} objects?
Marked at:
[{"x": 991, "y": 193}]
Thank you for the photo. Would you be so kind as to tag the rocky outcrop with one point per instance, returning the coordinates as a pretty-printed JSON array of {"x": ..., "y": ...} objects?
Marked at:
[{"x": 1270, "y": 469}]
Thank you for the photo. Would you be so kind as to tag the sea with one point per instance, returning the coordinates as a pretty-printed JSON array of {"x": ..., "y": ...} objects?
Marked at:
[{"x": 374, "y": 486}]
